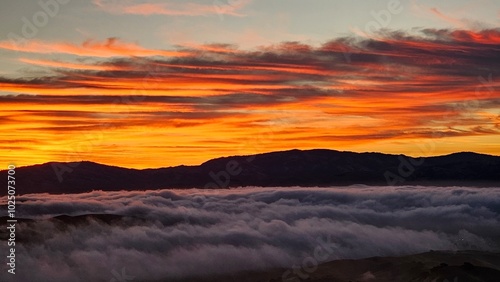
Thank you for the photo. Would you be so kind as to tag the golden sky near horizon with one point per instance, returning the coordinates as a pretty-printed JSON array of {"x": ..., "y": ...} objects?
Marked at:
[{"x": 413, "y": 86}]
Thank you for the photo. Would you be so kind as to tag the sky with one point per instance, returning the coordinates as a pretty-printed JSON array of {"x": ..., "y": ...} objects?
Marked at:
[{"x": 162, "y": 83}]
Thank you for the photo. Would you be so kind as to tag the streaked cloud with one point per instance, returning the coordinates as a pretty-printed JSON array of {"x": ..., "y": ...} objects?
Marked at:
[
  {"x": 111, "y": 47},
  {"x": 349, "y": 91},
  {"x": 172, "y": 8},
  {"x": 455, "y": 22}
]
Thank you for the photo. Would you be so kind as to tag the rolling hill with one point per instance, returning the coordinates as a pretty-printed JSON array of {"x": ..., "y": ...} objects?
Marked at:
[{"x": 319, "y": 167}]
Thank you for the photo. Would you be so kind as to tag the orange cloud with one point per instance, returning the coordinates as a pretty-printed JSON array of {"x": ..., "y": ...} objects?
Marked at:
[
  {"x": 57, "y": 64},
  {"x": 396, "y": 90},
  {"x": 483, "y": 37},
  {"x": 111, "y": 47}
]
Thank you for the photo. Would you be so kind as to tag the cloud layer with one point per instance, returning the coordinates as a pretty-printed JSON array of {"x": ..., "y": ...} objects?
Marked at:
[
  {"x": 386, "y": 91},
  {"x": 171, "y": 234}
]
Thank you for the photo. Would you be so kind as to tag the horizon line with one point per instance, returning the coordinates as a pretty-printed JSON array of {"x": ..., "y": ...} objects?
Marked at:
[{"x": 269, "y": 152}]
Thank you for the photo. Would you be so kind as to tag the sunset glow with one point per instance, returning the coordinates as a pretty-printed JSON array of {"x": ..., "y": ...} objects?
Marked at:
[{"x": 134, "y": 102}]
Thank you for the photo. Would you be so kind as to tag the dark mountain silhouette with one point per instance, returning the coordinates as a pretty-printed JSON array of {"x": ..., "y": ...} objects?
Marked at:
[
  {"x": 433, "y": 266},
  {"x": 287, "y": 168}
]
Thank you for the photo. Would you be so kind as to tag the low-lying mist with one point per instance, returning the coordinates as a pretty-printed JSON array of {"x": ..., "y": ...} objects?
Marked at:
[{"x": 169, "y": 234}]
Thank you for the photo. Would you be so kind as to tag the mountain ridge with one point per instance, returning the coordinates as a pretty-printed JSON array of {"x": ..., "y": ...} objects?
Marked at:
[
  {"x": 317, "y": 167},
  {"x": 284, "y": 151}
]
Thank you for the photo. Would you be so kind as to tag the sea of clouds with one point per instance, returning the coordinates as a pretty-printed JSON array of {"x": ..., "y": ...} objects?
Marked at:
[{"x": 168, "y": 234}]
